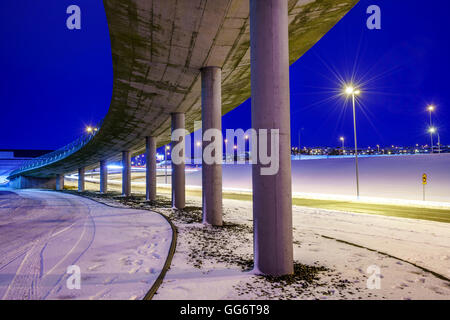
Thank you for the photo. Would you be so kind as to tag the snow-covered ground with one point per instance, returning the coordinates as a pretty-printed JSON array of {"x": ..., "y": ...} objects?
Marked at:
[
  {"x": 423, "y": 243},
  {"x": 120, "y": 252},
  {"x": 208, "y": 261},
  {"x": 333, "y": 251},
  {"x": 413, "y": 256}
]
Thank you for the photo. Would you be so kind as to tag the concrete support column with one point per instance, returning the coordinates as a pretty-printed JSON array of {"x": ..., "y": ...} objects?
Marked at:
[
  {"x": 272, "y": 194},
  {"x": 59, "y": 182},
  {"x": 126, "y": 173},
  {"x": 81, "y": 179},
  {"x": 178, "y": 174},
  {"x": 150, "y": 182},
  {"x": 211, "y": 119},
  {"x": 103, "y": 176}
]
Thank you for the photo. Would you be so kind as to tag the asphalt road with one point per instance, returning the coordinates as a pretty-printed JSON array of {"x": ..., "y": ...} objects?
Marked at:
[
  {"x": 401, "y": 211},
  {"x": 411, "y": 212},
  {"x": 119, "y": 251},
  {"x": 439, "y": 215}
]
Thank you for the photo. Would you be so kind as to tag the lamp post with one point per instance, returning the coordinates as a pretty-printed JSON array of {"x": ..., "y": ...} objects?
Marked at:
[
  {"x": 343, "y": 146},
  {"x": 226, "y": 150},
  {"x": 165, "y": 162},
  {"x": 439, "y": 142},
  {"x": 430, "y": 110},
  {"x": 350, "y": 90},
  {"x": 433, "y": 130}
]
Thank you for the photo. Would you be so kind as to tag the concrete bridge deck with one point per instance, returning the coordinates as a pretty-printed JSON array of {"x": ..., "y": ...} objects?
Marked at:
[{"x": 158, "y": 50}]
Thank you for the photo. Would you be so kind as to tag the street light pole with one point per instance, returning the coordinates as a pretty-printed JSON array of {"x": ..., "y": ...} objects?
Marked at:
[
  {"x": 356, "y": 145},
  {"x": 431, "y": 109},
  {"x": 433, "y": 130},
  {"x": 299, "y": 140},
  {"x": 439, "y": 142},
  {"x": 165, "y": 165},
  {"x": 343, "y": 146},
  {"x": 165, "y": 161}
]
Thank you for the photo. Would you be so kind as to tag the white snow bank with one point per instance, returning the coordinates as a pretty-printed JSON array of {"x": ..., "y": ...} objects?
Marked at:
[{"x": 381, "y": 178}]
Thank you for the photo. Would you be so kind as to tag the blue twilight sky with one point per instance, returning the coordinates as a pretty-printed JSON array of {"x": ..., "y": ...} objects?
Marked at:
[{"x": 55, "y": 81}]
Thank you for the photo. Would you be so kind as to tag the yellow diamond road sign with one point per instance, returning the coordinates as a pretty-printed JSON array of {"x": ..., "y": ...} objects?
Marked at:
[{"x": 424, "y": 178}]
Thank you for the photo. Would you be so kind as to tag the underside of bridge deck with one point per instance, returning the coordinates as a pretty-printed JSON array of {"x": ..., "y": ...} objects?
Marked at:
[{"x": 158, "y": 51}]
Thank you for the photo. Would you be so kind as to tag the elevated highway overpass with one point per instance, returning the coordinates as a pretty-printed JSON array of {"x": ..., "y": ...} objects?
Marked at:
[
  {"x": 180, "y": 61},
  {"x": 158, "y": 49}
]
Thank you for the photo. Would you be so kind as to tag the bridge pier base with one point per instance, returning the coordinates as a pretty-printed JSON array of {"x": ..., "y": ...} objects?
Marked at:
[
  {"x": 81, "y": 172},
  {"x": 59, "y": 182},
  {"x": 272, "y": 194},
  {"x": 150, "y": 181},
  {"x": 211, "y": 119},
  {"x": 103, "y": 176},
  {"x": 24, "y": 182},
  {"x": 178, "y": 174},
  {"x": 126, "y": 173}
]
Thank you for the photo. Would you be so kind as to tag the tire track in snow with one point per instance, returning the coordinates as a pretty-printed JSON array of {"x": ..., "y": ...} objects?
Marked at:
[{"x": 30, "y": 280}]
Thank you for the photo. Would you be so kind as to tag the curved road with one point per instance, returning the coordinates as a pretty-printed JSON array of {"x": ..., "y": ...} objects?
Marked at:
[{"x": 120, "y": 252}]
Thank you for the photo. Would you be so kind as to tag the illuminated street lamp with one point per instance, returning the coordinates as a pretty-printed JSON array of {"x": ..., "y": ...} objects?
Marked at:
[
  {"x": 350, "y": 90},
  {"x": 91, "y": 130},
  {"x": 165, "y": 162},
  {"x": 430, "y": 109},
  {"x": 343, "y": 146},
  {"x": 433, "y": 130}
]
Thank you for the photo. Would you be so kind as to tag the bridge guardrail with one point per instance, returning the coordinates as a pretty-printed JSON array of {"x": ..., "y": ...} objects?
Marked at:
[{"x": 59, "y": 154}]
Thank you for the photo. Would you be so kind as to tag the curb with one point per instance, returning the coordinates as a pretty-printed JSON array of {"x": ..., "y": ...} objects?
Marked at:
[
  {"x": 437, "y": 275},
  {"x": 166, "y": 267}
]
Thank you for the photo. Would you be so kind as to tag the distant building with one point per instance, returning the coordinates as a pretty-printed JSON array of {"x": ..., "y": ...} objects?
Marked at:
[{"x": 377, "y": 150}]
